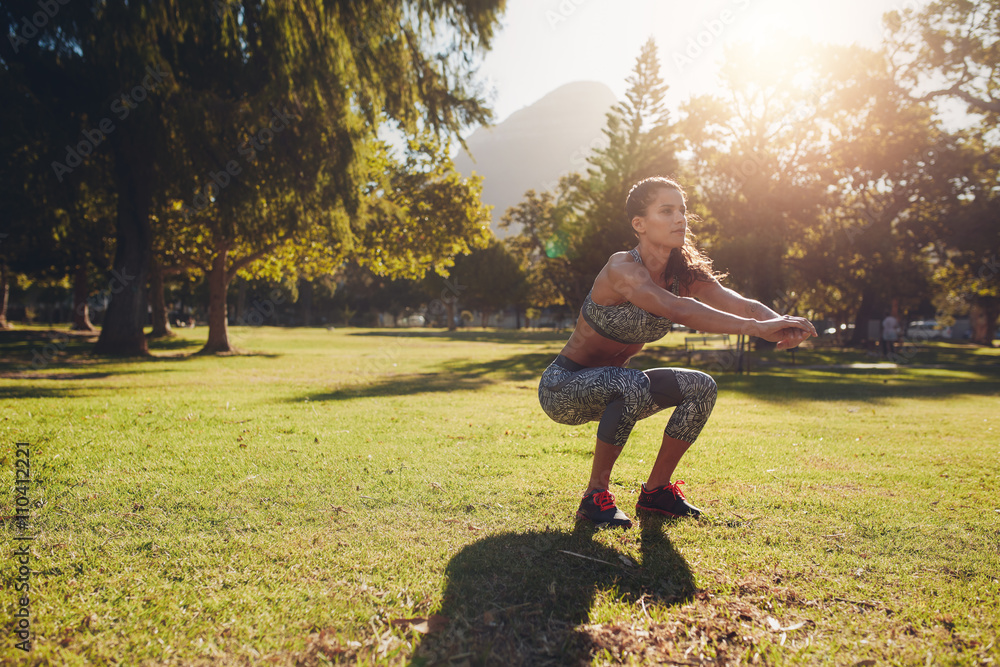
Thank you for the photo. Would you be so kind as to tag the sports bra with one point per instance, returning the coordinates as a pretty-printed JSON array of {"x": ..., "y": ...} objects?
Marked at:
[{"x": 626, "y": 322}]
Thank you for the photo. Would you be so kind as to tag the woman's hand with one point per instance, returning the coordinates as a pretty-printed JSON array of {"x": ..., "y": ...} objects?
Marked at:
[{"x": 787, "y": 331}]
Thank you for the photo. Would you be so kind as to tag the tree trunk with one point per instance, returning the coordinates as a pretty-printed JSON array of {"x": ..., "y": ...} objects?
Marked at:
[
  {"x": 983, "y": 320},
  {"x": 306, "y": 294},
  {"x": 4, "y": 295},
  {"x": 122, "y": 331},
  {"x": 161, "y": 325},
  {"x": 449, "y": 312},
  {"x": 865, "y": 312},
  {"x": 241, "y": 302},
  {"x": 81, "y": 309},
  {"x": 218, "y": 324}
]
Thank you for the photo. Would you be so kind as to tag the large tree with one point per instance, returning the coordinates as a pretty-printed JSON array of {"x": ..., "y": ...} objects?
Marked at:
[
  {"x": 949, "y": 49},
  {"x": 754, "y": 174},
  {"x": 492, "y": 279},
  {"x": 194, "y": 102},
  {"x": 884, "y": 160},
  {"x": 50, "y": 229}
]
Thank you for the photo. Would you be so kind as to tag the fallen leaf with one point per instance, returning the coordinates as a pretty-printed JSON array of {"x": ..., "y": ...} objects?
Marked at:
[
  {"x": 474, "y": 527},
  {"x": 433, "y": 623},
  {"x": 435, "y": 485},
  {"x": 773, "y": 622},
  {"x": 453, "y": 521},
  {"x": 488, "y": 618}
]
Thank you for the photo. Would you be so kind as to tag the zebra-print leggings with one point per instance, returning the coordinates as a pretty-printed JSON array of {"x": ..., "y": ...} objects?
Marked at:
[{"x": 620, "y": 397}]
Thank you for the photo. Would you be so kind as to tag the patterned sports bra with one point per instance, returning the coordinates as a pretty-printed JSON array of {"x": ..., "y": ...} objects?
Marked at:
[{"x": 626, "y": 322}]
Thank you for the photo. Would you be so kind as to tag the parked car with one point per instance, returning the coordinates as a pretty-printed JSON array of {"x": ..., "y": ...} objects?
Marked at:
[
  {"x": 924, "y": 330},
  {"x": 414, "y": 321}
]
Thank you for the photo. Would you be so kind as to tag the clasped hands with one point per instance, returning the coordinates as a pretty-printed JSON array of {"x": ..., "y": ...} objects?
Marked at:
[{"x": 787, "y": 331}]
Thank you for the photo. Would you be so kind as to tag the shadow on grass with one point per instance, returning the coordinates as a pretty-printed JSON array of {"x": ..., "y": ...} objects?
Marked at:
[
  {"x": 790, "y": 385},
  {"x": 31, "y": 353},
  {"x": 518, "y": 598},
  {"x": 472, "y": 336},
  {"x": 464, "y": 375}
]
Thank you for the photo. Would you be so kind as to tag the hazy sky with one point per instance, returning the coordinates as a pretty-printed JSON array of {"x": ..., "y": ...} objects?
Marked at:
[{"x": 546, "y": 43}]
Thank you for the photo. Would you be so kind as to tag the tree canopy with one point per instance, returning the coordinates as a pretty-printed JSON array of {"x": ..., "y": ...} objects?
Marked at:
[{"x": 255, "y": 123}]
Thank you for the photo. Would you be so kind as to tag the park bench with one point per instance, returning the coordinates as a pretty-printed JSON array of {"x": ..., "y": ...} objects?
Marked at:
[{"x": 716, "y": 346}]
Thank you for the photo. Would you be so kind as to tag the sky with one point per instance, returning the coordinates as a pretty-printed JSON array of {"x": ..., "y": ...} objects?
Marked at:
[{"x": 544, "y": 44}]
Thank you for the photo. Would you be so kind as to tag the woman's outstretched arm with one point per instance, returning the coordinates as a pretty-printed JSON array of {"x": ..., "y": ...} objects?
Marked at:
[
  {"x": 714, "y": 294},
  {"x": 632, "y": 282},
  {"x": 730, "y": 301}
]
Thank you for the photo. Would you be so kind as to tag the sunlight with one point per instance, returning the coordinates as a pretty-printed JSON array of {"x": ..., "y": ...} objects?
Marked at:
[{"x": 776, "y": 21}]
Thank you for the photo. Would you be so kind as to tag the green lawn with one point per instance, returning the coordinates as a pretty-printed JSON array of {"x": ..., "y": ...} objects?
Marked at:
[{"x": 315, "y": 500}]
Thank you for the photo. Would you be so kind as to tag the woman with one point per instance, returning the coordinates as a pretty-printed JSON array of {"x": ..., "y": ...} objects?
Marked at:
[{"x": 634, "y": 299}]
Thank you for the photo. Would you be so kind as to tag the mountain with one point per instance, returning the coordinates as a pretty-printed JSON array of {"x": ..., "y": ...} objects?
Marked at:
[{"x": 536, "y": 145}]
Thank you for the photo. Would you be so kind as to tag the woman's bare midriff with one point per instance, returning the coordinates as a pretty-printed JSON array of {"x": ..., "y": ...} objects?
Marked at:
[{"x": 589, "y": 348}]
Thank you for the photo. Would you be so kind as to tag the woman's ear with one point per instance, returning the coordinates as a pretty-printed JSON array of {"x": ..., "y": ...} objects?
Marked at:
[{"x": 639, "y": 224}]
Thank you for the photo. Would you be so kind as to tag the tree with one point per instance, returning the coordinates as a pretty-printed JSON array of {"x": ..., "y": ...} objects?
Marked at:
[
  {"x": 50, "y": 230},
  {"x": 965, "y": 237},
  {"x": 191, "y": 88},
  {"x": 492, "y": 279},
  {"x": 754, "y": 175},
  {"x": 568, "y": 235},
  {"x": 884, "y": 153},
  {"x": 420, "y": 213},
  {"x": 543, "y": 245},
  {"x": 949, "y": 49}
]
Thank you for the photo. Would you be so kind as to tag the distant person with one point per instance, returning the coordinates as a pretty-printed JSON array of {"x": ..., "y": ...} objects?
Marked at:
[
  {"x": 634, "y": 299},
  {"x": 890, "y": 334}
]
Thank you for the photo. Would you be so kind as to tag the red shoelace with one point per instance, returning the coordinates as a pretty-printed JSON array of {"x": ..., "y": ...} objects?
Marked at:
[
  {"x": 604, "y": 500},
  {"x": 674, "y": 487}
]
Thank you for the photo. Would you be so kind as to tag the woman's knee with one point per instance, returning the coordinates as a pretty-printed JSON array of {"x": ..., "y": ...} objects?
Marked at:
[{"x": 698, "y": 385}]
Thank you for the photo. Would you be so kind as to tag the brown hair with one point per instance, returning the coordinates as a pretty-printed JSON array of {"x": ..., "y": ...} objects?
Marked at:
[{"x": 687, "y": 263}]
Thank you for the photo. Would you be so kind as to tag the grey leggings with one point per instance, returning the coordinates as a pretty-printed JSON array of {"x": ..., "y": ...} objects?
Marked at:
[{"x": 620, "y": 397}]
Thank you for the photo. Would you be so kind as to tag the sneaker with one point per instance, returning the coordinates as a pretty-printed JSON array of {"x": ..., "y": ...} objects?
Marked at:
[
  {"x": 667, "y": 500},
  {"x": 599, "y": 508}
]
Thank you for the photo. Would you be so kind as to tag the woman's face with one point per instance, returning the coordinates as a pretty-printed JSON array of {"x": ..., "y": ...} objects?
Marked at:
[{"x": 665, "y": 222}]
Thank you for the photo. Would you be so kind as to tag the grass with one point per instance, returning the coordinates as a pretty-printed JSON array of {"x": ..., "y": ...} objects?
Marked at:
[{"x": 397, "y": 497}]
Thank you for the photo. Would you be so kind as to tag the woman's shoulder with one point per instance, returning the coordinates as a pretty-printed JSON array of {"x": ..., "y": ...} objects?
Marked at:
[
  {"x": 622, "y": 258},
  {"x": 621, "y": 269}
]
